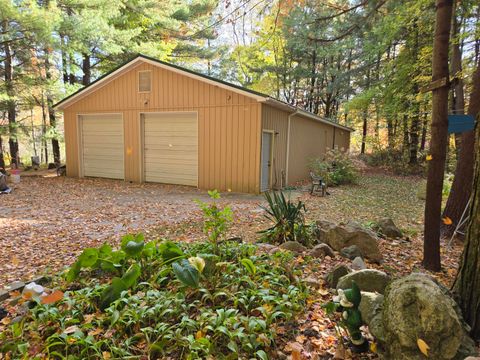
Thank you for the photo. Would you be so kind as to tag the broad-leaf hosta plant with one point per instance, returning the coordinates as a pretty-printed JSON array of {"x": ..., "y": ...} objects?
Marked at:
[{"x": 160, "y": 299}]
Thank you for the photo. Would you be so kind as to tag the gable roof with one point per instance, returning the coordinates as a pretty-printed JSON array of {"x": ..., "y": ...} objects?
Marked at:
[{"x": 140, "y": 58}]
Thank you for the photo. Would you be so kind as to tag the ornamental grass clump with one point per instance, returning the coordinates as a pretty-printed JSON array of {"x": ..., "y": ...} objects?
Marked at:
[{"x": 288, "y": 218}]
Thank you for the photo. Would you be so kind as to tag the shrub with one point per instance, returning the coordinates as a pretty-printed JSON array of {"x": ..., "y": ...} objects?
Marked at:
[
  {"x": 394, "y": 160},
  {"x": 288, "y": 220},
  {"x": 336, "y": 168},
  {"x": 215, "y": 219}
]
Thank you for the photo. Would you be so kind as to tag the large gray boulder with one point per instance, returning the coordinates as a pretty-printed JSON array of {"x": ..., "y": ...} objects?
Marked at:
[
  {"x": 415, "y": 307},
  {"x": 388, "y": 229},
  {"x": 344, "y": 235},
  {"x": 370, "y": 280}
]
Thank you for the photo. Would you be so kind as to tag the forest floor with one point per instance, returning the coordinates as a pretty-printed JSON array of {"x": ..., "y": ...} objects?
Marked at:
[{"x": 46, "y": 222}]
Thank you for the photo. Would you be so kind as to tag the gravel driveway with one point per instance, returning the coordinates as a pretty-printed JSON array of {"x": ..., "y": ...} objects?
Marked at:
[{"x": 46, "y": 222}]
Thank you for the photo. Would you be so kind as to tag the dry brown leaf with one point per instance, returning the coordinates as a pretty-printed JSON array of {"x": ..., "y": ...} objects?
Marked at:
[{"x": 52, "y": 298}]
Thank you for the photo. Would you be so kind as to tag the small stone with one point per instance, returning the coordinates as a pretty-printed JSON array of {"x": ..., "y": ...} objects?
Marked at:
[
  {"x": 313, "y": 282},
  {"x": 387, "y": 228},
  {"x": 335, "y": 274},
  {"x": 358, "y": 264},
  {"x": 265, "y": 247},
  {"x": 293, "y": 246},
  {"x": 351, "y": 252},
  {"x": 370, "y": 280},
  {"x": 321, "y": 250}
]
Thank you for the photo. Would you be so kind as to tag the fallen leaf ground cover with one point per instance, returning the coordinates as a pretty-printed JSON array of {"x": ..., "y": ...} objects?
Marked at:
[{"x": 46, "y": 223}]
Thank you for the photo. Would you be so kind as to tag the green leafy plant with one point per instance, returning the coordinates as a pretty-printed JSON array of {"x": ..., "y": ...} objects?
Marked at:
[
  {"x": 336, "y": 168},
  {"x": 186, "y": 273},
  {"x": 173, "y": 310},
  {"x": 288, "y": 219},
  {"x": 216, "y": 219}
]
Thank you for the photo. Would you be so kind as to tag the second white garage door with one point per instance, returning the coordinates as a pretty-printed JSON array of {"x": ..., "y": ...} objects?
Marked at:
[{"x": 171, "y": 148}]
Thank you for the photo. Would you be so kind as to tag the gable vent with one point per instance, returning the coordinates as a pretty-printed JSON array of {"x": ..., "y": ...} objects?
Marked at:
[{"x": 144, "y": 81}]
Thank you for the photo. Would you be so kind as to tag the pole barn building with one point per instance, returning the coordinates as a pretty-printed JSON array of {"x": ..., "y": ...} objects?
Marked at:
[{"x": 150, "y": 121}]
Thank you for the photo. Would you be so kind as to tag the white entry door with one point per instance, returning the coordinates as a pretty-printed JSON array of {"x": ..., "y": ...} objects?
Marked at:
[
  {"x": 266, "y": 163},
  {"x": 171, "y": 148},
  {"x": 102, "y": 146}
]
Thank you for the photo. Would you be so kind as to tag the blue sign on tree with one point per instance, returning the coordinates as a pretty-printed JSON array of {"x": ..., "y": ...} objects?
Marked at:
[{"x": 460, "y": 123}]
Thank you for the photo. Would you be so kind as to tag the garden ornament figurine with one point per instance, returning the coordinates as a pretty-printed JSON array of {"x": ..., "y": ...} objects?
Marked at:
[{"x": 348, "y": 301}]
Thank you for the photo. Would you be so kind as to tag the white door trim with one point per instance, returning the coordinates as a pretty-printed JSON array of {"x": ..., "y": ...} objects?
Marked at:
[
  {"x": 80, "y": 140},
  {"x": 272, "y": 144}
]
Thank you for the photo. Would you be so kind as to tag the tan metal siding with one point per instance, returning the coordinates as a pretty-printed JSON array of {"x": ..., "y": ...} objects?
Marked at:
[
  {"x": 229, "y": 125},
  {"x": 277, "y": 120},
  {"x": 308, "y": 139},
  {"x": 342, "y": 139}
]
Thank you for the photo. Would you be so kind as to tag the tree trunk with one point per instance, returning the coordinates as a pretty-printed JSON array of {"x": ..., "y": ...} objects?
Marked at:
[
  {"x": 2, "y": 159},
  {"x": 439, "y": 133},
  {"x": 423, "y": 140},
  {"x": 11, "y": 107},
  {"x": 462, "y": 183},
  {"x": 467, "y": 283},
  {"x": 414, "y": 138},
  {"x": 365, "y": 118},
  {"x": 390, "y": 135},
  {"x": 458, "y": 96},
  {"x": 86, "y": 68},
  {"x": 364, "y": 132},
  {"x": 415, "y": 125},
  {"x": 64, "y": 59},
  {"x": 406, "y": 135},
  {"x": 44, "y": 148},
  {"x": 51, "y": 112}
]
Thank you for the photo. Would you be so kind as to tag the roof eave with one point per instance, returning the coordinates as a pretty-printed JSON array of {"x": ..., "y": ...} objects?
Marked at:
[{"x": 292, "y": 109}]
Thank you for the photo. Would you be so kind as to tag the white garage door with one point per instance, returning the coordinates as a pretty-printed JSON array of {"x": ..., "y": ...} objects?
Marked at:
[
  {"x": 171, "y": 148},
  {"x": 102, "y": 146}
]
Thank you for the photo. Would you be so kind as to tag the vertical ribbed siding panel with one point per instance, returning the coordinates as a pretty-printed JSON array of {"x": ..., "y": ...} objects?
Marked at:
[
  {"x": 229, "y": 125},
  {"x": 342, "y": 139},
  {"x": 277, "y": 120},
  {"x": 71, "y": 146},
  {"x": 308, "y": 139}
]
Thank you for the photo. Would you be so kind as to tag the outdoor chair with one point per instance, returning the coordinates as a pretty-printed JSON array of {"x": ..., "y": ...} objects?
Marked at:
[{"x": 318, "y": 184}]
